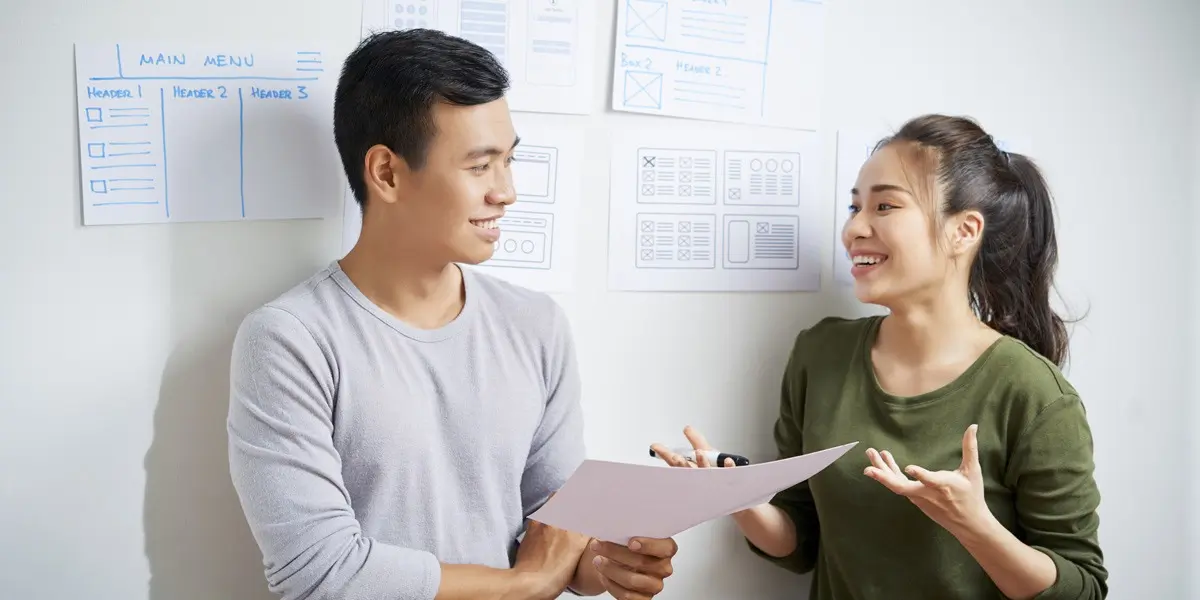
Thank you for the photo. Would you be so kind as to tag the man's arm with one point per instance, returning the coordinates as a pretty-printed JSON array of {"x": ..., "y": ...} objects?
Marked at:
[{"x": 288, "y": 477}]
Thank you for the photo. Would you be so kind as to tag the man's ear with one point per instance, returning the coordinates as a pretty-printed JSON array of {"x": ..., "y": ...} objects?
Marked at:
[
  {"x": 385, "y": 172},
  {"x": 967, "y": 233}
]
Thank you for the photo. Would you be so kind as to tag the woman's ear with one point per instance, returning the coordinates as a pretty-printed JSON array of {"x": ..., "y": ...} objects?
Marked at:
[{"x": 967, "y": 232}]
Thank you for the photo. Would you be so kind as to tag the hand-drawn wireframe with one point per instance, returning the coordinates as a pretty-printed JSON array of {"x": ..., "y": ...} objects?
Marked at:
[
  {"x": 761, "y": 242},
  {"x": 193, "y": 134},
  {"x": 676, "y": 241},
  {"x": 552, "y": 33},
  {"x": 526, "y": 241},
  {"x": 750, "y": 61},
  {"x": 535, "y": 173},
  {"x": 411, "y": 14},
  {"x": 485, "y": 22},
  {"x": 754, "y": 178},
  {"x": 675, "y": 176}
]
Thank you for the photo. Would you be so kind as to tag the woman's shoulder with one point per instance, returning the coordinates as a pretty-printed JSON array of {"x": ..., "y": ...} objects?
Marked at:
[
  {"x": 1027, "y": 372},
  {"x": 832, "y": 338}
]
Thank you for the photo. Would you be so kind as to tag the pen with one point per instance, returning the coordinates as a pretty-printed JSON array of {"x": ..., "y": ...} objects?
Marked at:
[{"x": 714, "y": 457}]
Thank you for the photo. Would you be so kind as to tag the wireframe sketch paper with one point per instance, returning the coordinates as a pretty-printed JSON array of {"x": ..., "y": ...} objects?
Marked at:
[
  {"x": 173, "y": 132},
  {"x": 538, "y": 232},
  {"x": 546, "y": 45},
  {"x": 854, "y": 147},
  {"x": 614, "y": 502},
  {"x": 750, "y": 61},
  {"x": 714, "y": 209}
]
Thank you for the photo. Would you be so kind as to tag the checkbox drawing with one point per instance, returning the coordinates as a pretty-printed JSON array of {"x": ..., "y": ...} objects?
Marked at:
[
  {"x": 685, "y": 177},
  {"x": 646, "y": 19},
  {"x": 647, "y": 254},
  {"x": 647, "y": 190},
  {"x": 648, "y": 226},
  {"x": 685, "y": 255},
  {"x": 647, "y": 240},
  {"x": 764, "y": 228},
  {"x": 685, "y": 241},
  {"x": 96, "y": 150},
  {"x": 647, "y": 175},
  {"x": 685, "y": 190},
  {"x": 643, "y": 89},
  {"x": 99, "y": 186},
  {"x": 93, "y": 115},
  {"x": 685, "y": 227}
]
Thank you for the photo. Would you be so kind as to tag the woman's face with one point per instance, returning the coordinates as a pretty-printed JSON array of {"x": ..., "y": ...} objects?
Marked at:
[{"x": 891, "y": 244}]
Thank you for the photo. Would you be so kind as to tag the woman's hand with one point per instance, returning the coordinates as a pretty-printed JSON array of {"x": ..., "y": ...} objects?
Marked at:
[
  {"x": 953, "y": 499},
  {"x": 699, "y": 444}
]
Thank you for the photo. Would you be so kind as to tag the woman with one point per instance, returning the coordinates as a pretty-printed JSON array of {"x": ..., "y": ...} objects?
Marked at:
[{"x": 960, "y": 383}]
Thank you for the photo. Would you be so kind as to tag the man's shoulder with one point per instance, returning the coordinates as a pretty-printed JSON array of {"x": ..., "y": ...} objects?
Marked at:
[
  {"x": 525, "y": 310},
  {"x": 294, "y": 312}
]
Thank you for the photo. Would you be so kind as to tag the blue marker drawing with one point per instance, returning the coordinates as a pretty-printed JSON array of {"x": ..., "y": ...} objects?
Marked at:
[
  {"x": 162, "y": 113},
  {"x": 125, "y": 160},
  {"x": 716, "y": 59},
  {"x": 242, "y": 151}
]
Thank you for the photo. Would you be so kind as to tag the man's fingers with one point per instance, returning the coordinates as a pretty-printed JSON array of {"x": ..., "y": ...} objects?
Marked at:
[
  {"x": 629, "y": 579},
  {"x": 661, "y": 548},
  {"x": 635, "y": 560},
  {"x": 616, "y": 590},
  {"x": 697, "y": 440}
]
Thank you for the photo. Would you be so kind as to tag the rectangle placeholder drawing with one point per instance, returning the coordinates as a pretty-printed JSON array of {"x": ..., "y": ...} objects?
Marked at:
[
  {"x": 525, "y": 241},
  {"x": 761, "y": 242},
  {"x": 676, "y": 241},
  {"x": 175, "y": 132},
  {"x": 674, "y": 176},
  {"x": 535, "y": 173},
  {"x": 762, "y": 178}
]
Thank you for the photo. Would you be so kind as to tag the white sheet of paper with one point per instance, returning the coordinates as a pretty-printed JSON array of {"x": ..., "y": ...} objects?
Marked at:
[
  {"x": 174, "y": 132},
  {"x": 853, "y": 149},
  {"x": 745, "y": 61},
  {"x": 538, "y": 233},
  {"x": 704, "y": 210},
  {"x": 544, "y": 44},
  {"x": 614, "y": 502}
]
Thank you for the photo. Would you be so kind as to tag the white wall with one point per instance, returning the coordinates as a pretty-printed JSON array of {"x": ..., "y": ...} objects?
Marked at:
[{"x": 114, "y": 341}]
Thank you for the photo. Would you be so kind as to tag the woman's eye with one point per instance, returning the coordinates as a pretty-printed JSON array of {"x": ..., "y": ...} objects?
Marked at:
[
  {"x": 884, "y": 207},
  {"x": 479, "y": 168},
  {"x": 852, "y": 208}
]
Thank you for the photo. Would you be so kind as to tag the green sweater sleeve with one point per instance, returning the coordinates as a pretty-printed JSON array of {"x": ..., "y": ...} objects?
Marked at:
[
  {"x": 1056, "y": 499},
  {"x": 797, "y": 501}
]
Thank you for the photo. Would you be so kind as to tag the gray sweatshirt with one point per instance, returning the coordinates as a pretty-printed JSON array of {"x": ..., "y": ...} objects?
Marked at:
[{"x": 364, "y": 451}]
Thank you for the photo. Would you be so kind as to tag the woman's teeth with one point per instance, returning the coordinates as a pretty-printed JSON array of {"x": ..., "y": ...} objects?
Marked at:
[
  {"x": 869, "y": 260},
  {"x": 488, "y": 224}
]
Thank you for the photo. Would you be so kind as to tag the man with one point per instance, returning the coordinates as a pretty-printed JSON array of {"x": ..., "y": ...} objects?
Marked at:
[{"x": 394, "y": 419}]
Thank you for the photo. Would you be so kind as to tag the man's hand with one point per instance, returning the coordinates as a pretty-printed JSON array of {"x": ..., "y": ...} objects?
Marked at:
[
  {"x": 637, "y": 571},
  {"x": 547, "y": 559}
]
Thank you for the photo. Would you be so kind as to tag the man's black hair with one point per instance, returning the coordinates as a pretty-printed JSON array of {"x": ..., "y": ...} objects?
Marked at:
[{"x": 389, "y": 86}]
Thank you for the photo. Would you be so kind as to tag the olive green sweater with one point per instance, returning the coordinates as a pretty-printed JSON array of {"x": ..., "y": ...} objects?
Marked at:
[{"x": 864, "y": 542}]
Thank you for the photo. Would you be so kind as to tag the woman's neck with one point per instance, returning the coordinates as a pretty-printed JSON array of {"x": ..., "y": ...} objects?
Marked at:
[{"x": 933, "y": 332}]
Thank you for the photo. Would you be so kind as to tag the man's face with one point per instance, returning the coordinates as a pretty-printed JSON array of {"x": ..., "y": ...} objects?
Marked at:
[{"x": 450, "y": 207}]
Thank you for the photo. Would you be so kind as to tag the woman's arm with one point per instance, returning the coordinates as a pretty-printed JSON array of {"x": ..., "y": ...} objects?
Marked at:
[{"x": 785, "y": 530}]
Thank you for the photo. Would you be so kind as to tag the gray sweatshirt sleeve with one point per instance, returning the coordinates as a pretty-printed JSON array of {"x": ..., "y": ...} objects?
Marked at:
[
  {"x": 288, "y": 475},
  {"x": 558, "y": 446}
]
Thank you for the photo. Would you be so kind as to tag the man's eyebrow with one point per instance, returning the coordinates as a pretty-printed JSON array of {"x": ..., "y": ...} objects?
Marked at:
[
  {"x": 882, "y": 187},
  {"x": 491, "y": 150}
]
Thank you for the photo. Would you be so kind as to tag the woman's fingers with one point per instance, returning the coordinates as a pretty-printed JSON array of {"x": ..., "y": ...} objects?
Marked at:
[
  {"x": 697, "y": 440},
  {"x": 671, "y": 458},
  {"x": 891, "y": 463}
]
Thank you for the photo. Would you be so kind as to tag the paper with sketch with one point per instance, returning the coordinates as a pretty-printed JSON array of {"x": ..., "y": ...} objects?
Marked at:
[
  {"x": 175, "y": 132},
  {"x": 614, "y": 502},
  {"x": 750, "y": 61},
  {"x": 546, "y": 45},
  {"x": 539, "y": 231},
  {"x": 714, "y": 209}
]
